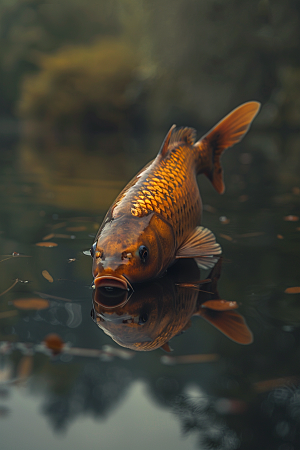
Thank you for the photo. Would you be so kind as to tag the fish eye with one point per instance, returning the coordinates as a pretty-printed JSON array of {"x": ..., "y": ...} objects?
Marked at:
[
  {"x": 143, "y": 253},
  {"x": 93, "y": 249},
  {"x": 143, "y": 318}
]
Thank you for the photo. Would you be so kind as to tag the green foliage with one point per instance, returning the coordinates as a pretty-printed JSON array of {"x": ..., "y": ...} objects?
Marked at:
[
  {"x": 31, "y": 27},
  {"x": 101, "y": 79}
]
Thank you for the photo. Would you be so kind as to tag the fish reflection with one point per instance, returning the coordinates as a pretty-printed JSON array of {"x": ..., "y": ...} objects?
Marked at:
[{"x": 157, "y": 311}]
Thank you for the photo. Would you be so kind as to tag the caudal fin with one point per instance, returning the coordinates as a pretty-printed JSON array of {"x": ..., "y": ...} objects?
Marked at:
[{"x": 225, "y": 134}]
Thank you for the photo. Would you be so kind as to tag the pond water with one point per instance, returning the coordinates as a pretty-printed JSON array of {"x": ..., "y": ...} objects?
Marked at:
[{"x": 217, "y": 389}]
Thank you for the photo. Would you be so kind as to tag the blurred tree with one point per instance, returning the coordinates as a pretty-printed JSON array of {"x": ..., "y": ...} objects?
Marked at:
[
  {"x": 30, "y": 27},
  {"x": 80, "y": 85}
]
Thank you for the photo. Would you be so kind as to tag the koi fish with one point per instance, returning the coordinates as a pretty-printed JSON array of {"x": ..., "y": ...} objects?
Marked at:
[
  {"x": 161, "y": 309},
  {"x": 156, "y": 219}
]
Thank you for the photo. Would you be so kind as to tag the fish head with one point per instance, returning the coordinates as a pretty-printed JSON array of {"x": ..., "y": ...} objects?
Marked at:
[{"x": 132, "y": 250}]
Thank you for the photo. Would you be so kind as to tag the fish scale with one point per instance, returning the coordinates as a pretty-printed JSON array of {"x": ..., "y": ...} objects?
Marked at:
[{"x": 168, "y": 188}]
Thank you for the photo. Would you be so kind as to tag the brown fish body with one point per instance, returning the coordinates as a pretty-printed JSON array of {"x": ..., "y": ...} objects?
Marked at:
[{"x": 156, "y": 218}]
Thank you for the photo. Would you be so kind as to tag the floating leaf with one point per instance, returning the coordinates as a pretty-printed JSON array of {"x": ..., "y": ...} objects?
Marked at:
[
  {"x": 224, "y": 220},
  {"x": 47, "y": 275},
  {"x": 31, "y": 303},
  {"x": 279, "y": 236},
  {"x": 54, "y": 342},
  {"x": 64, "y": 236},
  {"x": 293, "y": 290},
  {"x": 46, "y": 244},
  {"x": 291, "y": 218},
  {"x": 243, "y": 198},
  {"x": 81, "y": 228},
  {"x": 225, "y": 236},
  {"x": 87, "y": 252},
  {"x": 49, "y": 236},
  {"x": 296, "y": 190},
  {"x": 220, "y": 305}
]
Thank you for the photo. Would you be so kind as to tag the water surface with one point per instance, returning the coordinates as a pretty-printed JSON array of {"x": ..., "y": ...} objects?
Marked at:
[{"x": 248, "y": 397}]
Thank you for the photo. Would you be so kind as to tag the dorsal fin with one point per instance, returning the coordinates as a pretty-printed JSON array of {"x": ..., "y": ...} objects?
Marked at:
[
  {"x": 184, "y": 135},
  {"x": 176, "y": 137}
]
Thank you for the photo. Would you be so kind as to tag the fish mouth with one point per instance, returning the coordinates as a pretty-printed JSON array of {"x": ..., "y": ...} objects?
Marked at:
[
  {"x": 110, "y": 291},
  {"x": 109, "y": 282}
]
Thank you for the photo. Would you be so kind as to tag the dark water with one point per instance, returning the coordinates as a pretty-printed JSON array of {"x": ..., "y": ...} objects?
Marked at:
[{"x": 96, "y": 394}]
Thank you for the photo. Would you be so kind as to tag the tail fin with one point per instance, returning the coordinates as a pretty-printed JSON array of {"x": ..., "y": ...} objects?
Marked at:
[{"x": 225, "y": 134}]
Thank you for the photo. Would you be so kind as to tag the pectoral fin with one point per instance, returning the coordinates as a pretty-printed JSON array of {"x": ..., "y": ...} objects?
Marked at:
[
  {"x": 200, "y": 244},
  {"x": 230, "y": 323},
  {"x": 166, "y": 347}
]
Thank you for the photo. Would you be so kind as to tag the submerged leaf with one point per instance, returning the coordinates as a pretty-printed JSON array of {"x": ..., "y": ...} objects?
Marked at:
[
  {"x": 243, "y": 198},
  {"x": 291, "y": 218},
  {"x": 209, "y": 208},
  {"x": 59, "y": 225},
  {"x": 47, "y": 275},
  {"x": 6, "y": 314},
  {"x": 46, "y": 244},
  {"x": 296, "y": 190},
  {"x": 31, "y": 303}
]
